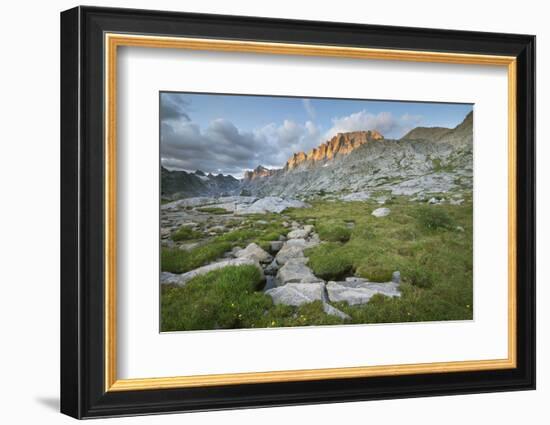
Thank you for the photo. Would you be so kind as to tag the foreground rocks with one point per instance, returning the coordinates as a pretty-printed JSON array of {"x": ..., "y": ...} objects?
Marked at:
[
  {"x": 296, "y": 294},
  {"x": 255, "y": 253},
  {"x": 357, "y": 290},
  {"x": 295, "y": 283},
  {"x": 182, "y": 279},
  {"x": 296, "y": 271},
  {"x": 289, "y": 280}
]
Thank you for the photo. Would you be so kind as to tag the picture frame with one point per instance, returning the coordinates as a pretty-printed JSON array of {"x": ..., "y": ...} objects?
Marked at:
[{"x": 90, "y": 40}]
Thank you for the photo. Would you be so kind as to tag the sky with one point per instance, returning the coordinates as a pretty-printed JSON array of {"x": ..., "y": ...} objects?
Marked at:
[{"x": 230, "y": 134}]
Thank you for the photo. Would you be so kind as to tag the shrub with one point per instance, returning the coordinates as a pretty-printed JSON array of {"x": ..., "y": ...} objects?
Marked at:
[
  {"x": 334, "y": 232},
  {"x": 327, "y": 263},
  {"x": 185, "y": 233},
  {"x": 434, "y": 218},
  {"x": 375, "y": 273},
  {"x": 419, "y": 276}
]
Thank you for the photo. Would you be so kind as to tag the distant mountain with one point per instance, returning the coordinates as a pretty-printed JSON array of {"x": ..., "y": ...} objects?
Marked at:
[
  {"x": 181, "y": 184},
  {"x": 424, "y": 160},
  {"x": 460, "y": 135},
  {"x": 259, "y": 171}
]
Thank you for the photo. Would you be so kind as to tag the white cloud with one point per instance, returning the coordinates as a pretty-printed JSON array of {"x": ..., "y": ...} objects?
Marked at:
[{"x": 383, "y": 122}]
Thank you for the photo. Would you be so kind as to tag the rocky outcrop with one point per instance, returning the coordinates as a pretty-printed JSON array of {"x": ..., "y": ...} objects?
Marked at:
[
  {"x": 255, "y": 253},
  {"x": 341, "y": 144},
  {"x": 295, "y": 270},
  {"x": 259, "y": 171}
]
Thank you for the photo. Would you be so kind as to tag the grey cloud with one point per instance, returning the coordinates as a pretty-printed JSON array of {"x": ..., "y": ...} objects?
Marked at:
[
  {"x": 173, "y": 107},
  {"x": 223, "y": 148}
]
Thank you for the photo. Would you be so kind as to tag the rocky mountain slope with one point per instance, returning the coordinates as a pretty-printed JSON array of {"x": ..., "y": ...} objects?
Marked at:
[
  {"x": 425, "y": 160},
  {"x": 181, "y": 184}
]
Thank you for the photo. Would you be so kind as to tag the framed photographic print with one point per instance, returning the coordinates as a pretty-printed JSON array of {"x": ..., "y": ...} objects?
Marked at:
[{"x": 261, "y": 212}]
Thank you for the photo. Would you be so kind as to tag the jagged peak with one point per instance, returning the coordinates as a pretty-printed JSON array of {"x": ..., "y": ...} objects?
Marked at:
[
  {"x": 259, "y": 171},
  {"x": 340, "y": 144}
]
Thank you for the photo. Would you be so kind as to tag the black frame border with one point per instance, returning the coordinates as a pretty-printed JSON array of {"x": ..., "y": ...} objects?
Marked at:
[{"x": 82, "y": 207}]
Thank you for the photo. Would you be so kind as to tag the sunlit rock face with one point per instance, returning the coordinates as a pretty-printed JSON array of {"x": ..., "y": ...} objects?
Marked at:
[
  {"x": 259, "y": 171},
  {"x": 341, "y": 144}
]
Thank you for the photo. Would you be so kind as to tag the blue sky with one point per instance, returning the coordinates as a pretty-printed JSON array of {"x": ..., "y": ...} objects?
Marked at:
[{"x": 229, "y": 134}]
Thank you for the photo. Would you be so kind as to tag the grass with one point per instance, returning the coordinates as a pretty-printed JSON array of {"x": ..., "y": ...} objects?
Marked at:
[
  {"x": 333, "y": 232},
  {"x": 221, "y": 299},
  {"x": 229, "y": 299},
  {"x": 175, "y": 260},
  {"x": 421, "y": 241},
  {"x": 185, "y": 233}
]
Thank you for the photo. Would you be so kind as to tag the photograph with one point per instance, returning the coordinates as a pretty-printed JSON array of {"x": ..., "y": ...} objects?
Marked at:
[
  {"x": 279, "y": 211},
  {"x": 285, "y": 210}
]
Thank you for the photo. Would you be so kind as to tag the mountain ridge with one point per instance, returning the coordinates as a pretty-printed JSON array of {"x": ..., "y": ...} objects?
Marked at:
[
  {"x": 424, "y": 156},
  {"x": 179, "y": 183}
]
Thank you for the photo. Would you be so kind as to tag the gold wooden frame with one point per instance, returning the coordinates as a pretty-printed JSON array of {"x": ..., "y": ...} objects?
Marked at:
[{"x": 113, "y": 41}]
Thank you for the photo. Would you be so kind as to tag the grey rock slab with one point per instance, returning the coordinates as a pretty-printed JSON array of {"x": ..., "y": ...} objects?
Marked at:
[
  {"x": 272, "y": 204},
  {"x": 296, "y": 294},
  {"x": 182, "y": 279},
  {"x": 299, "y": 233},
  {"x": 333, "y": 311},
  {"x": 254, "y": 252},
  {"x": 357, "y": 196},
  {"x": 188, "y": 202},
  {"x": 295, "y": 271},
  {"x": 297, "y": 242},
  {"x": 167, "y": 278},
  {"x": 381, "y": 212},
  {"x": 217, "y": 229},
  {"x": 288, "y": 252},
  {"x": 188, "y": 246},
  {"x": 355, "y": 293},
  {"x": 434, "y": 201},
  {"x": 275, "y": 246}
]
